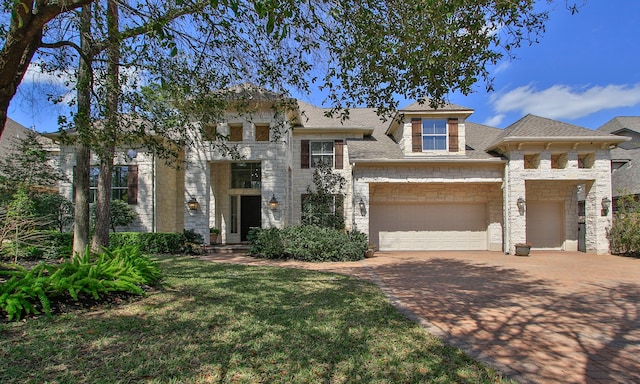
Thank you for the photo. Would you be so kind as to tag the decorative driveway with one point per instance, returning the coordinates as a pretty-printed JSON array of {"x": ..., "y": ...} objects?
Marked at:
[{"x": 550, "y": 317}]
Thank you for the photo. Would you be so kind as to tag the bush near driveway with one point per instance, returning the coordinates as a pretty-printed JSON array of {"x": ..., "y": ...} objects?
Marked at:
[{"x": 308, "y": 243}]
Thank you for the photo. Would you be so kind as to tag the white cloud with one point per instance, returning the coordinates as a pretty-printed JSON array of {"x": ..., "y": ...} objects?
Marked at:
[
  {"x": 502, "y": 66},
  {"x": 563, "y": 101},
  {"x": 494, "y": 121}
]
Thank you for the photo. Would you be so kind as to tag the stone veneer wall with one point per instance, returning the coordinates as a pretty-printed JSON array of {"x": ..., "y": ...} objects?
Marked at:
[{"x": 598, "y": 181}]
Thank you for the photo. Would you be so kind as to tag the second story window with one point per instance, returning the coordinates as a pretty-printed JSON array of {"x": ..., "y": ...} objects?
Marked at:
[
  {"x": 321, "y": 153},
  {"x": 235, "y": 132},
  {"x": 434, "y": 134},
  {"x": 329, "y": 152}
]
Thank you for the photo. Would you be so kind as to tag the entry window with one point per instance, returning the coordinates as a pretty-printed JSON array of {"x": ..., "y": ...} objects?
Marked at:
[
  {"x": 321, "y": 152},
  {"x": 234, "y": 214},
  {"x": 434, "y": 134},
  {"x": 246, "y": 175}
]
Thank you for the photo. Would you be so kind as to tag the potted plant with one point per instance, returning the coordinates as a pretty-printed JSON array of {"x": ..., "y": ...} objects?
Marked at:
[
  {"x": 523, "y": 249},
  {"x": 213, "y": 235},
  {"x": 371, "y": 250}
]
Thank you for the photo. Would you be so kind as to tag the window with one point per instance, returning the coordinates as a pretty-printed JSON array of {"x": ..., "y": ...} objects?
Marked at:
[
  {"x": 585, "y": 160},
  {"x": 321, "y": 153},
  {"x": 124, "y": 185},
  {"x": 235, "y": 132},
  {"x": 262, "y": 132},
  {"x": 246, "y": 175},
  {"x": 314, "y": 152},
  {"x": 209, "y": 132},
  {"x": 323, "y": 210},
  {"x": 434, "y": 135},
  {"x": 558, "y": 161},
  {"x": 531, "y": 161}
]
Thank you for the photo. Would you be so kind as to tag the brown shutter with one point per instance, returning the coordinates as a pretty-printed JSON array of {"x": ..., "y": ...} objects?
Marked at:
[
  {"x": 304, "y": 154},
  {"x": 453, "y": 135},
  {"x": 338, "y": 148},
  {"x": 416, "y": 134},
  {"x": 132, "y": 184}
]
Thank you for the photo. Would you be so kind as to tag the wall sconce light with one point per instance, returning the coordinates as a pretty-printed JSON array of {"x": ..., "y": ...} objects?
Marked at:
[
  {"x": 363, "y": 207},
  {"x": 606, "y": 203},
  {"x": 273, "y": 203},
  {"x": 193, "y": 204},
  {"x": 521, "y": 205}
]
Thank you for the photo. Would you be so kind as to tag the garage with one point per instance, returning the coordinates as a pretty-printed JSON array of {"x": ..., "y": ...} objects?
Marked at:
[
  {"x": 429, "y": 226},
  {"x": 545, "y": 224}
]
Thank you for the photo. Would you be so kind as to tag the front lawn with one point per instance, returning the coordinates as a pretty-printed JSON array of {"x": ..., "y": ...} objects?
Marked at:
[{"x": 236, "y": 324}]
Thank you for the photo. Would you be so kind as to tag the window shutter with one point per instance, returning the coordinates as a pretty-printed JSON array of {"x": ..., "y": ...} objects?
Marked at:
[
  {"x": 132, "y": 184},
  {"x": 304, "y": 154},
  {"x": 338, "y": 147},
  {"x": 453, "y": 135},
  {"x": 416, "y": 134}
]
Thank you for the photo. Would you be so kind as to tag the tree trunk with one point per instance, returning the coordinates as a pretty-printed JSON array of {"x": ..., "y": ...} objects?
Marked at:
[
  {"x": 103, "y": 219},
  {"x": 83, "y": 152},
  {"x": 21, "y": 43}
]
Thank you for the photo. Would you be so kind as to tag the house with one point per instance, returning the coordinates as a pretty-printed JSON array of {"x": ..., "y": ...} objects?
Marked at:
[
  {"x": 625, "y": 159},
  {"x": 428, "y": 179},
  {"x": 14, "y": 133}
]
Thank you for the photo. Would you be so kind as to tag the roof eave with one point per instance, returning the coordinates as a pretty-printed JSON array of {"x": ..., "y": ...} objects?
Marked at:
[
  {"x": 428, "y": 160},
  {"x": 612, "y": 140},
  {"x": 304, "y": 130}
]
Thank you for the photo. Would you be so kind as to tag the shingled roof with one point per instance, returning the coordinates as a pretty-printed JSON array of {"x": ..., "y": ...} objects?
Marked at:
[
  {"x": 626, "y": 179},
  {"x": 425, "y": 106},
  {"x": 619, "y": 123}
]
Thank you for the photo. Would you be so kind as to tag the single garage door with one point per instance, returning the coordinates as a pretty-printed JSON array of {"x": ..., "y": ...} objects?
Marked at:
[
  {"x": 545, "y": 224},
  {"x": 429, "y": 227}
]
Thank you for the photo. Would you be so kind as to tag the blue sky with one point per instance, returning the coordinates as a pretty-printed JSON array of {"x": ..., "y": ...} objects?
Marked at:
[{"x": 584, "y": 71}]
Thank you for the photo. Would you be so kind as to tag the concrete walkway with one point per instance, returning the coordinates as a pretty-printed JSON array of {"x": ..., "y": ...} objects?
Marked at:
[{"x": 551, "y": 317}]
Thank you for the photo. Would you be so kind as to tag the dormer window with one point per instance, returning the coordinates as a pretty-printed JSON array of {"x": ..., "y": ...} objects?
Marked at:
[{"x": 434, "y": 135}]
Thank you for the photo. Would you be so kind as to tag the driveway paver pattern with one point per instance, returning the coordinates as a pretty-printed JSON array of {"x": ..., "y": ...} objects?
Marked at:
[{"x": 551, "y": 317}]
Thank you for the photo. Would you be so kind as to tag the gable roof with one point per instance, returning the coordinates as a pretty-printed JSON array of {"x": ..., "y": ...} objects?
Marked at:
[
  {"x": 425, "y": 106},
  {"x": 631, "y": 123}
]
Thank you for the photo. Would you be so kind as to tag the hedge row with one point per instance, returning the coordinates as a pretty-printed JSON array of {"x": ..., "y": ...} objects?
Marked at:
[{"x": 308, "y": 243}]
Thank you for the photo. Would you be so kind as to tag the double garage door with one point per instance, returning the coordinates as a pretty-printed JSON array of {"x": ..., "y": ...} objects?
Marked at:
[{"x": 429, "y": 227}]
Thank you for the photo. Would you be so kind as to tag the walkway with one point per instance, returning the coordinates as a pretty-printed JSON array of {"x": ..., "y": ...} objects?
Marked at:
[{"x": 551, "y": 317}]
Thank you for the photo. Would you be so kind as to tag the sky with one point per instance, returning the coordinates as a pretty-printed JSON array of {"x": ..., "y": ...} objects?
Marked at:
[{"x": 585, "y": 70}]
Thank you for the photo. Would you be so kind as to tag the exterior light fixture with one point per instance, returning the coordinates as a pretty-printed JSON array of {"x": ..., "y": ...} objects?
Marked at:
[
  {"x": 521, "y": 205},
  {"x": 193, "y": 204},
  {"x": 273, "y": 203},
  {"x": 363, "y": 207},
  {"x": 606, "y": 203}
]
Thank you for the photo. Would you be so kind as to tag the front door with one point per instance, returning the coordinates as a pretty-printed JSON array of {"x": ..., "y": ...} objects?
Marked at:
[{"x": 250, "y": 215}]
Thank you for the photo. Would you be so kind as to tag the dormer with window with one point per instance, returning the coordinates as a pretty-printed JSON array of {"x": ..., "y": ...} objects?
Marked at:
[{"x": 425, "y": 131}]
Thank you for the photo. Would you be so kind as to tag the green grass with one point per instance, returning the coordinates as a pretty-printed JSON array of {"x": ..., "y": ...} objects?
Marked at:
[{"x": 236, "y": 324}]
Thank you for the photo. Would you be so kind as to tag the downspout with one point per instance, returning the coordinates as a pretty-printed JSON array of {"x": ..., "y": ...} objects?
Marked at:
[{"x": 507, "y": 237}]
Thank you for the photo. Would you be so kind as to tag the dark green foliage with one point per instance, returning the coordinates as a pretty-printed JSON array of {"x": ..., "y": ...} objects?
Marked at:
[
  {"x": 323, "y": 204},
  {"x": 624, "y": 235},
  {"x": 55, "y": 209},
  {"x": 308, "y": 243},
  {"x": 50, "y": 245},
  {"x": 93, "y": 275},
  {"x": 120, "y": 214},
  {"x": 166, "y": 243},
  {"x": 192, "y": 241}
]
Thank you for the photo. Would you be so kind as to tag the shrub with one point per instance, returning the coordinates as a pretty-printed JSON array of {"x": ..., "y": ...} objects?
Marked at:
[
  {"x": 624, "y": 235},
  {"x": 169, "y": 243},
  {"x": 192, "y": 241},
  {"x": 309, "y": 243},
  {"x": 119, "y": 270}
]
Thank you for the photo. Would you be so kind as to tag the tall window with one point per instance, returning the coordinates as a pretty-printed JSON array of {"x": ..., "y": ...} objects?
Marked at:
[
  {"x": 123, "y": 184},
  {"x": 434, "y": 134},
  {"x": 321, "y": 153},
  {"x": 246, "y": 175}
]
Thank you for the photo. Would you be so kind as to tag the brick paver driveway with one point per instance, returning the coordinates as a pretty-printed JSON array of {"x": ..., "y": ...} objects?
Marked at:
[{"x": 550, "y": 317}]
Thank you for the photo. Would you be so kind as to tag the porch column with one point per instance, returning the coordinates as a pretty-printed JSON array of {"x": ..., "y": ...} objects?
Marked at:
[
  {"x": 515, "y": 189},
  {"x": 361, "y": 212},
  {"x": 196, "y": 186},
  {"x": 598, "y": 221}
]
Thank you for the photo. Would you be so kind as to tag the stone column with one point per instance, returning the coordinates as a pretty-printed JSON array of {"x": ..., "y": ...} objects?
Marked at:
[
  {"x": 197, "y": 185},
  {"x": 516, "y": 218},
  {"x": 598, "y": 221}
]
